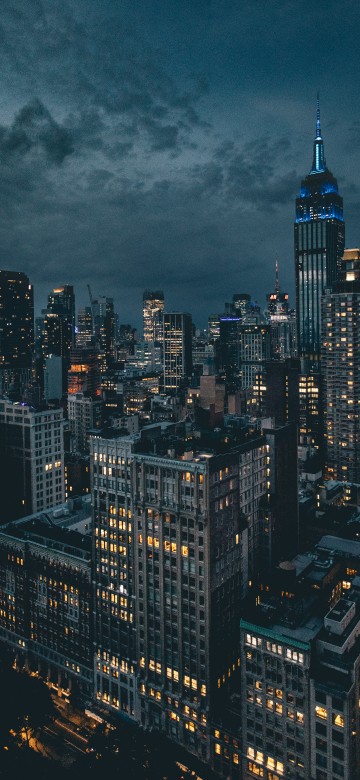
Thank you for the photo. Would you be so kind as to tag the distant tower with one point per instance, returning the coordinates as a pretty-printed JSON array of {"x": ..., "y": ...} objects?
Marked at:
[
  {"x": 153, "y": 307},
  {"x": 177, "y": 349},
  {"x": 282, "y": 323},
  {"x": 319, "y": 245},
  {"x": 16, "y": 330}
]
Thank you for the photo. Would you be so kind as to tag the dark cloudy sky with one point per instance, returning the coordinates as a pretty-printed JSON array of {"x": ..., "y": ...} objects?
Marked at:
[{"x": 161, "y": 143}]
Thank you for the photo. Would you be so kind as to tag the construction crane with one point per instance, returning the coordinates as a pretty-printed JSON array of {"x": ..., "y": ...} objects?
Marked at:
[{"x": 90, "y": 296}]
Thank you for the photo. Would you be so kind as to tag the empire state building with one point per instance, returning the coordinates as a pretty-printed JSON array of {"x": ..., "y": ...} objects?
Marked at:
[{"x": 319, "y": 246}]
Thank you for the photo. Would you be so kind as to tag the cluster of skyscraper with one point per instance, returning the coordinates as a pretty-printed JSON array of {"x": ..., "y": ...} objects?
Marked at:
[{"x": 159, "y": 480}]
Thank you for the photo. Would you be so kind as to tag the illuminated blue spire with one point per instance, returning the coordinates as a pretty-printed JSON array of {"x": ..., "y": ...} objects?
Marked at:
[
  {"x": 319, "y": 162},
  {"x": 318, "y": 128}
]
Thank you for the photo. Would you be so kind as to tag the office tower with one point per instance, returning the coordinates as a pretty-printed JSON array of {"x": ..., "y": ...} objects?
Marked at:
[
  {"x": 84, "y": 414},
  {"x": 177, "y": 350},
  {"x": 57, "y": 338},
  {"x": 176, "y": 541},
  {"x": 319, "y": 243},
  {"x": 61, "y": 301},
  {"x": 244, "y": 346},
  {"x": 153, "y": 307},
  {"x": 340, "y": 361},
  {"x": 104, "y": 321},
  {"x": 46, "y": 600},
  {"x": 16, "y": 330},
  {"x": 228, "y": 349},
  {"x": 84, "y": 333},
  {"x": 84, "y": 373},
  {"x": 168, "y": 584},
  {"x": 213, "y": 328},
  {"x": 58, "y": 323},
  {"x": 241, "y": 304},
  {"x": 282, "y": 330},
  {"x": 254, "y": 349},
  {"x": 300, "y": 669},
  {"x": 31, "y": 459}
]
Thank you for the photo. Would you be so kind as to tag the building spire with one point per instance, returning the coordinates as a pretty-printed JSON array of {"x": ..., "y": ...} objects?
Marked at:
[
  {"x": 277, "y": 288},
  {"x": 319, "y": 162}
]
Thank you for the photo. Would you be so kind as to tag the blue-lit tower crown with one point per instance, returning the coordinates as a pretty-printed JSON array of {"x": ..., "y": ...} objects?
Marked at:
[{"x": 319, "y": 246}]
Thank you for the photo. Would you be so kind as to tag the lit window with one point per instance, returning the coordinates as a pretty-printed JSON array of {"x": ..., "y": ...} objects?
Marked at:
[{"x": 321, "y": 712}]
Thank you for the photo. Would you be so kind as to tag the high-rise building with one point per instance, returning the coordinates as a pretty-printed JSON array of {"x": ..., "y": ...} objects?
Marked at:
[
  {"x": 176, "y": 542},
  {"x": 16, "y": 329},
  {"x": 319, "y": 244},
  {"x": 340, "y": 361},
  {"x": 243, "y": 347},
  {"x": 104, "y": 321},
  {"x": 84, "y": 373},
  {"x": 282, "y": 322},
  {"x": 61, "y": 300},
  {"x": 84, "y": 333},
  {"x": 31, "y": 459},
  {"x": 153, "y": 307},
  {"x": 168, "y": 583},
  {"x": 177, "y": 349}
]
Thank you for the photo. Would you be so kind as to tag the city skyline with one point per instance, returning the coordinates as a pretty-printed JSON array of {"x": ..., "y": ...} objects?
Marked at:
[{"x": 155, "y": 162}]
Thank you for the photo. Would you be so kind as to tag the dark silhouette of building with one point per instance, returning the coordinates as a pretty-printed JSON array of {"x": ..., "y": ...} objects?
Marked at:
[
  {"x": 319, "y": 244},
  {"x": 16, "y": 331}
]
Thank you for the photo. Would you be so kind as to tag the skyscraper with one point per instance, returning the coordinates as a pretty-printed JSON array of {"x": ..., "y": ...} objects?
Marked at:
[
  {"x": 282, "y": 322},
  {"x": 16, "y": 329},
  {"x": 177, "y": 357},
  {"x": 61, "y": 300},
  {"x": 340, "y": 361},
  {"x": 319, "y": 243},
  {"x": 58, "y": 329},
  {"x": 153, "y": 306}
]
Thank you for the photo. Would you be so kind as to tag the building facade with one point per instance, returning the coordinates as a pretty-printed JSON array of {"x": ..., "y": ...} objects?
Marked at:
[
  {"x": 340, "y": 358},
  {"x": 45, "y": 601},
  {"x": 177, "y": 350},
  {"x": 153, "y": 307},
  {"x": 31, "y": 459},
  {"x": 16, "y": 330},
  {"x": 300, "y": 656}
]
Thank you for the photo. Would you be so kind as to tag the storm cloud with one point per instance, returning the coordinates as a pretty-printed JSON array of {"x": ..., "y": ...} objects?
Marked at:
[{"x": 158, "y": 144}]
